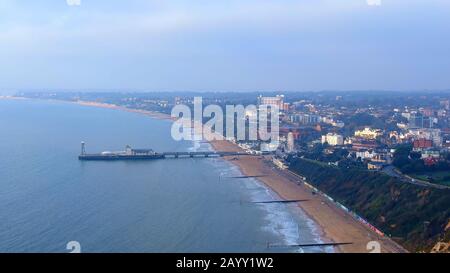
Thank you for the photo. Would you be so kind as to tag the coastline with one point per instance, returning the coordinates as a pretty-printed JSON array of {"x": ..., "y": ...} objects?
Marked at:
[
  {"x": 152, "y": 114},
  {"x": 333, "y": 223}
]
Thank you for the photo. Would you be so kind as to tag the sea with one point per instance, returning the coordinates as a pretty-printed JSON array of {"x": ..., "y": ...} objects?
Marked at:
[{"x": 49, "y": 200}]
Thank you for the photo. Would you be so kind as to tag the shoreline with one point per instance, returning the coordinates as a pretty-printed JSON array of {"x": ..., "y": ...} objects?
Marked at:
[
  {"x": 333, "y": 224},
  {"x": 152, "y": 114},
  {"x": 316, "y": 230}
]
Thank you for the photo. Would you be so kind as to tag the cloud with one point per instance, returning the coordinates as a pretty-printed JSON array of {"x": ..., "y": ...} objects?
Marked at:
[
  {"x": 114, "y": 25},
  {"x": 178, "y": 44}
]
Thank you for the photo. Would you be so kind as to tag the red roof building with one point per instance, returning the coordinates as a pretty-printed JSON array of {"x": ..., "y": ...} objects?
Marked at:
[
  {"x": 430, "y": 161},
  {"x": 422, "y": 143}
]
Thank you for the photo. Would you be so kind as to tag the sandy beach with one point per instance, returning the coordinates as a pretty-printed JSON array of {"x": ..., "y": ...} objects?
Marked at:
[
  {"x": 152, "y": 114},
  {"x": 336, "y": 225}
]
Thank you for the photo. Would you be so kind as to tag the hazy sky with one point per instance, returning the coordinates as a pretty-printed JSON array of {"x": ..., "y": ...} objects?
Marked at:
[{"x": 221, "y": 45}]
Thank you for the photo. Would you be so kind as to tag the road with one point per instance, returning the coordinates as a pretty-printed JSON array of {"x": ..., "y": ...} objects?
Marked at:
[{"x": 392, "y": 171}]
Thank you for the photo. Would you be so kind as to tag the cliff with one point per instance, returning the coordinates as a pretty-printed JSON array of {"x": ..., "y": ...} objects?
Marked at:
[{"x": 414, "y": 216}]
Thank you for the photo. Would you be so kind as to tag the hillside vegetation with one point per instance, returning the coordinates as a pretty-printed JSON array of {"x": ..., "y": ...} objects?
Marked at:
[{"x": 414, "y": 216}]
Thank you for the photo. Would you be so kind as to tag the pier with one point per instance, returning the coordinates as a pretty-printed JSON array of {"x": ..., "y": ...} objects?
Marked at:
[{"x": 149, "y": 154}]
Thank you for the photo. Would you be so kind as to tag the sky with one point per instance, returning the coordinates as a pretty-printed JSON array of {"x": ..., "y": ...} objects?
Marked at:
[{"x": 225, "y": 45}]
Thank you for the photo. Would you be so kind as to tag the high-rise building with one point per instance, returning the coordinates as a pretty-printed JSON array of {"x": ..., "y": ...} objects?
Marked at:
[
  {"x": 290, "y": 142},
  {"x": 418, "y": 120},
  {"x": 278, "y": 101}
]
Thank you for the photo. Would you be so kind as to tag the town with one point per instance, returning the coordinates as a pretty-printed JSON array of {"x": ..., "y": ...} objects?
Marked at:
[
  {"x": 381, "y": 157},
  {"x": 402, "y": 134}
]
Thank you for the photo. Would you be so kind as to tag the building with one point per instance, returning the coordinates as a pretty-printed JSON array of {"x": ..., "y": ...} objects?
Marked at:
[
  {"x": 338, "y": 124},
  {"x": 420, "y": 144},
  {"x": 427, "y": 112},
  {"x": 305, "y": 119},
  {"x": 382, "y": 157},
  {"x": 332, "y": 122},
  {"x": 280, "y": 164},
  {"x": 406, "y": 115},
  {"x": 445, "y": 104},
  {"x": 418, "y": 120},
  {"x": 430, "y": 161},
  {"x": 368, "y": 133},
  {"x": 393, "y": 135},
  {"x": 430, "y": 154},
  {"x": 361, "y": 144},
  {"x": 278, "y": 100},
  {"x": 429, "y": 134},
  {"x": 295, "y": 132},
  {"x": 402, "y": 126},
  {"x": 327, "y": 120},
  {"x": 290, "y": 142},
  {"x": 374, "y": 166},
  {"x": 333, "y": 139},
  {"x": 365, "y": 154}
]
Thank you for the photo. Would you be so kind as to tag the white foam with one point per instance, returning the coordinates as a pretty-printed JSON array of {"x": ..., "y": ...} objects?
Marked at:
[
  {"x": 287, "y": 222},
  {"x": 280, "y": 220}
]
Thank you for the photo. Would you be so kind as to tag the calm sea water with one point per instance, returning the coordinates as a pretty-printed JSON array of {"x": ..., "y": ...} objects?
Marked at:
[{"x": 48, "y": 197}]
